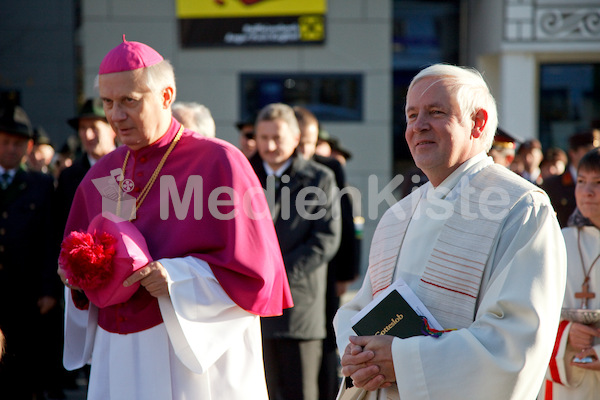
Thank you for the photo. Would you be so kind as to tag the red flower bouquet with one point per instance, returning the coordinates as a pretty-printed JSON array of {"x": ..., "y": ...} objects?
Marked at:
[
  {"x": 99, "y": 260},
  {"x": 87, "y": 258}
]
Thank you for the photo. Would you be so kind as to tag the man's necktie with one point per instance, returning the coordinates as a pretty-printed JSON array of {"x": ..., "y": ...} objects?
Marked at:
[
  {"x": 5, "y": 180},
  {"x": 277, "y": 183}
]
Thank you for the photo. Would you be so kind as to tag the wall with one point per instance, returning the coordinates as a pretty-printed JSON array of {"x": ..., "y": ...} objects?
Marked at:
[
  {"x": 522, "y": 35},
  {"x": 37, "y": 59}
]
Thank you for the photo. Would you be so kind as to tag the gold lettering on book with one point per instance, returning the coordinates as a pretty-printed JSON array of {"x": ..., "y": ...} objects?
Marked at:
[{"x": 393, "y": 323}]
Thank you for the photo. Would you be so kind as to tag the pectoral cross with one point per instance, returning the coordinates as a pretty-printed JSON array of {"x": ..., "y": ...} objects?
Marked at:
[{"x": 585, "y": 294}]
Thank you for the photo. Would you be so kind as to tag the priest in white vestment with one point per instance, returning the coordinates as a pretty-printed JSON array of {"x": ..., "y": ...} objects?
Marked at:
[
  {"x": 567, "y": 377},
  {"x": 479, "y": 246}
]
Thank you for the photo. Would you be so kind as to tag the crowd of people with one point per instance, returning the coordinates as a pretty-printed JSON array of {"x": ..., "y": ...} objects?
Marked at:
[{"x": 192, "y": 268}]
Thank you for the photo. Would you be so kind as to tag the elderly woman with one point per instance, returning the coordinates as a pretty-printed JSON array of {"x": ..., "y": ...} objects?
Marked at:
[{"x": 574, "y": 371}]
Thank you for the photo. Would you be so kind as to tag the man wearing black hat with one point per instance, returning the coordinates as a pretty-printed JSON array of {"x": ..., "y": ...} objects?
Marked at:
[
  {"x": 28, "y": 288},
  {"x": 97, "y": 139},
  {"x": 247, "y": 139},
  {"x": 40, "y": 157},
  {"x": 503, "y": 148},
  {"x": 561, "y": 188}
]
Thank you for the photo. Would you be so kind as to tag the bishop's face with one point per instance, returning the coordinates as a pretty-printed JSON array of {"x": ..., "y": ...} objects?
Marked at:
[{"x": 138, "y": 116}]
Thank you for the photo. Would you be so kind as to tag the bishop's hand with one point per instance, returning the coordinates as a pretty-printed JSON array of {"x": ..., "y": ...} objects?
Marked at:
[{"x": 153, "y": 277}]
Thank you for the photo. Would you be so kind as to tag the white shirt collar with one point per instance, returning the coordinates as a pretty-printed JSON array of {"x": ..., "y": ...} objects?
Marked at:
[
  {"x": 573, "y": 172},
  {"x": 11, "y": 172},
  {"x": 280, "y": 170},
  {"x": 92, "y": 160},
  {"x": 446, "y": 189}
]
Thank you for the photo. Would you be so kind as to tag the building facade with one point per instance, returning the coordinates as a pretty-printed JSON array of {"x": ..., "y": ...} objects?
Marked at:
[{"x": 540, "y": 57}]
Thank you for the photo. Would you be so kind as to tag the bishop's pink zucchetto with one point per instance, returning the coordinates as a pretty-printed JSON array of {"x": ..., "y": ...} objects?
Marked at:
[{"x": 129, "y": 56}]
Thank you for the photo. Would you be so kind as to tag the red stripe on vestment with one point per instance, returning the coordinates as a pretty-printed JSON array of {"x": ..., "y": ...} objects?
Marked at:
[
  {"x": 548, "y": 394},
  {"x": 553, "y": 366},
  {"x": 444, "y": 287},
  {"x": 379, "y": 290}
]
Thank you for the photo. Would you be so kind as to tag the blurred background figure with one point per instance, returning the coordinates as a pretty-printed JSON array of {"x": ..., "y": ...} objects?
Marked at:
[
  {"x": 566, "y": 378},
  {"x": 247, "y": 137},
  {"x": 323, "y": 146},
  {"x": 554, "y": 163},
  {"x": 64, "y": 157},
  {"x": 1, "y": 345},
  {"x": 97, "y": 139},
  {"x": 28, "y": 289},
  {"x": 338, "y": 151},
  {"x": 531, "y": 155},
  {"x": 503, "y": 148},
  {"x": 196, "y": 117},
  {"x": 561, "y": 188},
  {"x": 343, "y": 269},
  {"x": 293, "y": 342},
  {"x": 42, "y": 153}
]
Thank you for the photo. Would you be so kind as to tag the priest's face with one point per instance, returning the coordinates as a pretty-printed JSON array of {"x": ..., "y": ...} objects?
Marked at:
[
  {"x": 276, "y": 142},
  {"x": 138, "y": 115},
  {"x": 440, "y": 139}
]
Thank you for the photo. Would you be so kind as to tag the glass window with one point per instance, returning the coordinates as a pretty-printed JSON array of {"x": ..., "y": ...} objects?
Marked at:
[
  {"x": 425, "y": 32},
  {"x": 569, "y": 101},
  {"x": 331, "y": 97}
]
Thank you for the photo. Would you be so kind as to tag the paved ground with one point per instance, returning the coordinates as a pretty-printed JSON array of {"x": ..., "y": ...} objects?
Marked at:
[
  {"x": 79, "y": 393},
  {"x": 76, "y": 394}
]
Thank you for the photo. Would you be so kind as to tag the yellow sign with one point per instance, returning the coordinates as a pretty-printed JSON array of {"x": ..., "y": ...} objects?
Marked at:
[
  {"x": 311, "y": 27},
  {"x": 248, "y": 8}
]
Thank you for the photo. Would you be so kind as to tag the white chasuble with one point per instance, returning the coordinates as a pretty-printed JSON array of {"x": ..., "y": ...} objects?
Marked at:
[{"x": 497, "y": 355}]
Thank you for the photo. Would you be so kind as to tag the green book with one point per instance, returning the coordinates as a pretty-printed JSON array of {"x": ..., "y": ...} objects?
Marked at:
[
  {"x": 392, "y": 316},
  {"x": 397, "y": 311}
]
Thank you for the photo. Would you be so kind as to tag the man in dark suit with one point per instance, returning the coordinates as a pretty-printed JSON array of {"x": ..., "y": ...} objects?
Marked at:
[
  {"x": 303, "y": 203},
  {"x": 28, "y": 283},
  {"x": 344, "y": 267},
  {"x": 561, "y": 188},
  {"x": 97, "y": 139}
]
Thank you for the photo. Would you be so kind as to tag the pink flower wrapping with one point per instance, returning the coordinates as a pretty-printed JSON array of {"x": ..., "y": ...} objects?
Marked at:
[
  {"x": 87, "y": 258},
  {"x": 99, "y": 260}
]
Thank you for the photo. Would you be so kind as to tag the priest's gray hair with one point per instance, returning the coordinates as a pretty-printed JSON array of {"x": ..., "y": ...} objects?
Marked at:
[
  {"x": 471, "y": 91},
  {"x": 280, "y": 111}
]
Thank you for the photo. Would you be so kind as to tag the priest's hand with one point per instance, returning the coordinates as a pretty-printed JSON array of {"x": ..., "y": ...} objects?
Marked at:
[
  {"x": 153, "y": 277},
  {"x": 581, "y": 337},
  {"x": 368, "y": 361}
]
